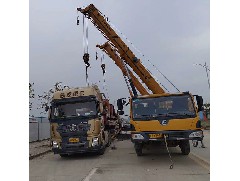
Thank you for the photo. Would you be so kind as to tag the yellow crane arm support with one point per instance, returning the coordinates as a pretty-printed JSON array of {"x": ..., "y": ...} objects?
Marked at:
[
  {"x": 126, "y": 54},
  {"x": 106, "y": 47}
]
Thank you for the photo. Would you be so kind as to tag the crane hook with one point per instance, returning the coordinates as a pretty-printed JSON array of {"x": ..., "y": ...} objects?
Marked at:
[
  {"x": 103, "y": 68},
  {"x": 86, "y": 59}
]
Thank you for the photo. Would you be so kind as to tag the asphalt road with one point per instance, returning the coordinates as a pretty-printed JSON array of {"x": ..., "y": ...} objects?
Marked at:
[
  {"x": 118, "y": 164},
  {"x": 203, "y": 153}
]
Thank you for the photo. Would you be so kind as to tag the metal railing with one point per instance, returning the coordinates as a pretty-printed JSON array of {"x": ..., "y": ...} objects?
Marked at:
[{"x": 39, "y": 130}]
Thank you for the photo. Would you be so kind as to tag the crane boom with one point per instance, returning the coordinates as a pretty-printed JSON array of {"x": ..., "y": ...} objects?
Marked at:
[
  {"x": 107, "y": 48},
  {"x": 126, "y": 54},
  {"x": 159, "y": 117}
]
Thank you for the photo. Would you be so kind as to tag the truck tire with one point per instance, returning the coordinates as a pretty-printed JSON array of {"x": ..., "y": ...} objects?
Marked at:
[
  {"x": 109, "y": 143},
  {"x": 185, "y": 147},
  {"x": 102, "y": 150},
  {"x": 109, "y": 140},
  {"x": 138, "y": 148},
  {"x": 64, "y": 155}
]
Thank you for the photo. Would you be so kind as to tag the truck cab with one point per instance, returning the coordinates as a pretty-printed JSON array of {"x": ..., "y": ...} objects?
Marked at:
[
  {"x": 77, "y": 121},
  {"x": 167, "y": 117}
]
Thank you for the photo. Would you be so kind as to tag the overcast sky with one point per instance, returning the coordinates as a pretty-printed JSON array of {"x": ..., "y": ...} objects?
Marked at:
[{"x": 174, "y": 35}]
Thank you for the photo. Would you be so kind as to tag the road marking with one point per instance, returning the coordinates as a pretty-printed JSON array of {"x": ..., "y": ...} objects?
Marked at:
[
  {"x": 88, "y": 177},
  {"x": 204, "y": 163}
]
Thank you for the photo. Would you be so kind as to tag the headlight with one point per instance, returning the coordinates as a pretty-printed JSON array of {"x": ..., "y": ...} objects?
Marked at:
[
  {"x": 55, "y": 144},
  {"x": 95, "y": 142},
  {"x": 196, "y": 134},
  {"x": 137, "y": 137}
]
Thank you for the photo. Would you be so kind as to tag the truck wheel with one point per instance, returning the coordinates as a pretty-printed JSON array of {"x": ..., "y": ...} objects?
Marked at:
[
  {"x": 64, "y": 155},
  {"x": 185, "y": 147},
  {"x": 109, "y": 140},
  {"x": 138, "y": 149},
  {"x": 109, "y": 143},
  {"x": 102, "y": 150}
]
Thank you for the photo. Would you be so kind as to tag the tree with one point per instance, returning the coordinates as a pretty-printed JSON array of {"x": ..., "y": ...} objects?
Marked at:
[
  {"x": 46, "y": 98},
  {"x": 31, "y": 95},
  {"x": 206, "y": 107}
]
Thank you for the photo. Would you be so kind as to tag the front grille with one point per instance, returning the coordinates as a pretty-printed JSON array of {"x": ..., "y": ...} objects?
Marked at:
[
  {"x": 73, "y": 128},
  {"x": 73, "y": 146},
  {"x": 178, "y": 134},
  {"x": 66, "y": 145}
]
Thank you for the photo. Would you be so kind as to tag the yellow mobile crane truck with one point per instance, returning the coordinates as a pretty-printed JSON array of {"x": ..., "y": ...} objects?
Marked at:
[
  {"x": 161, "y": 117},
  {"x": 79, "y": 121}
]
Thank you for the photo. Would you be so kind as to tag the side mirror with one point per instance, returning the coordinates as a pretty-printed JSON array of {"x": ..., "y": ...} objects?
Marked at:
[
  {"x": 199, "y": 103},
  {"x": 127, "y": 103},
  {"x": 46, "y": 108},
  {"x": 120, "y": 104},
  {"x": 120, "y": 112}
]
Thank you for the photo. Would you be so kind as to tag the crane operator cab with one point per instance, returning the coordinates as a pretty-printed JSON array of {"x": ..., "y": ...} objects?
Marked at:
[{"x": 173, "y": 117}]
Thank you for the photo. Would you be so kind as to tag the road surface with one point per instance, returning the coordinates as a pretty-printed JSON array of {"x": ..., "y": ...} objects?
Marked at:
[{"x": 117, "y": 165}]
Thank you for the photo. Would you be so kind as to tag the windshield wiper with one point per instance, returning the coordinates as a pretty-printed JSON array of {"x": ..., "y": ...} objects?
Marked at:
[
  {"x": 172, "y": 114},
  {"x": 76, "y": 116},
  {"x": 175, "y": 114},
  {"x": 169, "y": 114},
  {"x": 150, "y": 116},
  {"x": 187, "y": 114},
  {"x": 179, "y": 114},
  {"x": 159, "y": 115},
  {"x": 144, "y": 116}
]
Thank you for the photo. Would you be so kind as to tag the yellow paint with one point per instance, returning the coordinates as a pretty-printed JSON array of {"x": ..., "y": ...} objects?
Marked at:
[
  {"x": 173, "y": 124},
  {"x": 155, "y": 135},
  {"x": 78, "y": 92}
]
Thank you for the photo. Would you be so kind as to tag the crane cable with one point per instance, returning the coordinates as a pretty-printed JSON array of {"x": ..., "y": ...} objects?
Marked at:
[
  {"x": 163, "y": 75},
  {"x": 103, "y": 66},
  {"x": 126, "y": 78},
  {"x": 145, "y": 58},
  {"x": 127, "y": 83},
  {"x": 100, "y": 31},
  {"x": 165, "y": 139},
  {"x": 129, "y": 78},
  {"x": 85, "y": 47}
]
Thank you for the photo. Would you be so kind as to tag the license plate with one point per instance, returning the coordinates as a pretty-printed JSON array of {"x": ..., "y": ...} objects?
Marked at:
[
  {"x": 73, "y": 140},
  {"x": 155, "y": 135}
]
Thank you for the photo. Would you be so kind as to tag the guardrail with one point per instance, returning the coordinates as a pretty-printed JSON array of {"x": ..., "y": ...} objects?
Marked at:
[{"x": 39, "y": 131}]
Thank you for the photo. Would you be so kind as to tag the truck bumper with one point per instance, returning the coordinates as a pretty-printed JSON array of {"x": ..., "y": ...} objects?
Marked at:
[
  {"x": 170, "y": 135},
  {"x": 76, "y": 149}
]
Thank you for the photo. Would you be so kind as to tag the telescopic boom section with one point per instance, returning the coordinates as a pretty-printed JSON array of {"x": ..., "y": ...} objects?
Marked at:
[
  {"x": 126, "y": 54},
  {"x": 106, "y": 47}
]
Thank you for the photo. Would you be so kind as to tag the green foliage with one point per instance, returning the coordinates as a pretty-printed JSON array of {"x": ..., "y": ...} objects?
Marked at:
[
  {"x": 31, "y": 95},
  {"x": 206, "y": 107},
  {"x": 31, "y": 90},
  {"x": 46, "y": 97}
]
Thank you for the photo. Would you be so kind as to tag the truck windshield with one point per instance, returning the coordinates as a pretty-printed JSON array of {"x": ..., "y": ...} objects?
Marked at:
[
  {"x": 74, "y": 109},
  {"x": 168, "y": 106}
]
